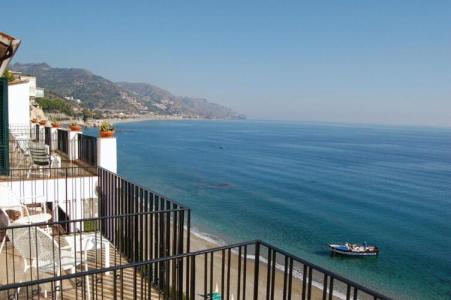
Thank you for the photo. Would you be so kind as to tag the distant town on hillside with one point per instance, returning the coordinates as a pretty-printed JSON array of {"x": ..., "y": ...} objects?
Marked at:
[{"x": 72, "y": 92}]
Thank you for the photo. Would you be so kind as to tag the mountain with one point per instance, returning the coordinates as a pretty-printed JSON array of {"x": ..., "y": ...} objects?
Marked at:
[
  {"x": 190, "y": 106},
  {"x": 94, "y": 91},
  {"x": 99, "y": 93}
]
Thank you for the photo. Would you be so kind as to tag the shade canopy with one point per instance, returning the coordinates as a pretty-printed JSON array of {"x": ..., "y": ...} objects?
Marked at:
[{"x": 8, "y": 47}]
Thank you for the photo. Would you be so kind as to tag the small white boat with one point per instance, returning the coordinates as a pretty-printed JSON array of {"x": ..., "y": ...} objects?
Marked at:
[{"x": 354, "y": 249}]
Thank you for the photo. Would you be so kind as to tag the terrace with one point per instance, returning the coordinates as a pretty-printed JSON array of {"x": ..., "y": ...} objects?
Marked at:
[
  {"x": 63, "y": 149},
  {"x": 94, "y": 223},
  {"x": 109, "y": 238}
]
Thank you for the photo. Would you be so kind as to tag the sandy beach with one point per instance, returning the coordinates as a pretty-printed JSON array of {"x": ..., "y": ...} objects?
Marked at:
[
  {"x": 149, "y": 117},
  {"x": 198, "y": 243}
]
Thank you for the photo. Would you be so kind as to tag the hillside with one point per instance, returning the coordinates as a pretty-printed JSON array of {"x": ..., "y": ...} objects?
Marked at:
[
  {"x": 180, "y": 105},
  {"x": 99, "y": 93}
]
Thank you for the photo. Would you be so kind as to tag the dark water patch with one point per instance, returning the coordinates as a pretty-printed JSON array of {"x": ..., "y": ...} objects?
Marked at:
[{"x": 222, "y": 185}]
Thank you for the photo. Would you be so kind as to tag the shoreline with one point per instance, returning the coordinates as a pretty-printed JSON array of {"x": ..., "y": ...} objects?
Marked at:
[
  {"x": 199, "y": 241},
  {"x": 145, "y": 118}
]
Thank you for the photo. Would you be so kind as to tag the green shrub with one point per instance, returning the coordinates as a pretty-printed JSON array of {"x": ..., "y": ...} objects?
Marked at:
[{"x": 55, "y": 106}]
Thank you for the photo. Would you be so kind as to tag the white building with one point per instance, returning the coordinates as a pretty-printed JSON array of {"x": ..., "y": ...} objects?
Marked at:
[
  {"x": 35, "y": 91},
  {"x": 32, "y": 84},
  {"x": 19, "y": 102},
  {"x": 40, "y": 93}
]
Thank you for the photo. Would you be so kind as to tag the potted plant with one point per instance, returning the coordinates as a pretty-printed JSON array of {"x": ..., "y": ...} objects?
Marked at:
[
  {"x": 74, "y": 126},
  {"x": 42, "y": 122},
  {"x": 106, "y": 130},
  {"x": 55, "y": 123},
  {"x": 34, "y": 120}
]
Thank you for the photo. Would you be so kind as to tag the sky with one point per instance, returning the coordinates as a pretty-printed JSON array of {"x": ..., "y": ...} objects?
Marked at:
[{"x": 386, "y": 62}]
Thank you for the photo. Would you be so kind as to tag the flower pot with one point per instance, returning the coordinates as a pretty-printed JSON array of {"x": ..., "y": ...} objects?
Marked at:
[
  {"x": 34, "y": 121},
  {"x": 106, "y": 134},
  {"x": 42, "y": 123},
  {"x": 55, "y": 125},
  {"x": 75, "y": 127}
]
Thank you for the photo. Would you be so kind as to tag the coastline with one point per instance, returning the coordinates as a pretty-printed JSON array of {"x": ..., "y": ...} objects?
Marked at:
[
  {"x": 149, "y": 117},
  {"x": 199, "y": 242},
  {"x": 143, "y": 118}
]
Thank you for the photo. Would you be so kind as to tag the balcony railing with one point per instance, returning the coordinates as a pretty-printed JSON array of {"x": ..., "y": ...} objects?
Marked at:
[
  {"x": 86, "y": 192},
  {"x": 87, "y": 149},
  {"x": 48, "y": 250},
  {"x": 48, "y": 139},
  {"x": 63, "y": 141},
  {"x": 109, "y": 238},
  {"x": 251, "y": 270},
  {"x": 118, "y": 196},
  {"x": 68, "y": 193},
  {"x": 97, "y": 210},
  {"x": 61, "y": 145}
]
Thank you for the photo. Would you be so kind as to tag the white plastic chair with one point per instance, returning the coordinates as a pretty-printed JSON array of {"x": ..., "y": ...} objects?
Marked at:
[
  {"x": 43, "y": 252},
  {"x": 23, "y": 142},
  {"x": 4, "y": 223},
  {"x": 10, "y": 201},
  {"x": 5, "y": 220}
]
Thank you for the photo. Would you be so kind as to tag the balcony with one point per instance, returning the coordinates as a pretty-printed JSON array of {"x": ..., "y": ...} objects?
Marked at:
[
  {"x": 54, "y": 148},
  {"x": 90, "y": 223},
  {"x": 108, "y": 238},
  {"x": 251, "y": 270},
  {"x": 78, "y": 231}
]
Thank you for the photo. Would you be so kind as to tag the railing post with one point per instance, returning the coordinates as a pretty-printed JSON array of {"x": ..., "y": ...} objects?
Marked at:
[
  {"x": 107, "y": 153},
  {"x": 257, "y": 266},
  {"x": 37, "y": 133}
]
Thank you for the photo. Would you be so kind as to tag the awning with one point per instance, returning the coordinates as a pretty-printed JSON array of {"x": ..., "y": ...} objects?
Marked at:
[{"x": 8, "y": 47}]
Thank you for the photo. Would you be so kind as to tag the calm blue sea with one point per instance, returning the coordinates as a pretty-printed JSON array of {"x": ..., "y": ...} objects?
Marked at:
[{"x": 301, "y": 186}]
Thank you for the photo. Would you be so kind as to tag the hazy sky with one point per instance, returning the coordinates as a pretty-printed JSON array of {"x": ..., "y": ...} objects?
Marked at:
[{"x": 345, "y": 61}]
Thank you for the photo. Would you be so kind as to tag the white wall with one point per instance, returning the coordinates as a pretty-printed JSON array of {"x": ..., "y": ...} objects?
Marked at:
[
  {"x": 19, "y": 103},
  {"x": 40, "y": 93},
  {"x": 70, "y": 195},
  {"x": 32, "y": 85},
  {"x": 107, "y": 153}
]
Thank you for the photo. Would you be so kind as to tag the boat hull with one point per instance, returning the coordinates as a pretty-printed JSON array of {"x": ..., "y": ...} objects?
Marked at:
[{"x": 338, "y": 249}]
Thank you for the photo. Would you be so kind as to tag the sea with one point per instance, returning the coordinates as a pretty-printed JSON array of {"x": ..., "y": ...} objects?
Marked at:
[{"x": 301, "y": 186}]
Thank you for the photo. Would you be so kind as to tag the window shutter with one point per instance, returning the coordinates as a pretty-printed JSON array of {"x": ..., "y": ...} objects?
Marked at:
[{"x": 4, "y": 135}]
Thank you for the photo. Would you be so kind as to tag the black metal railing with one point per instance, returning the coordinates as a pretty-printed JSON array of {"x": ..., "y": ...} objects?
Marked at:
[
  {"x": 148, "y": 237},
  {"x": 20, "y": 138},
  {"x": 87, "y": 149},
  {"x": 37, "y": 129},
  {"x": 85, "y": 192},
  {"x": 47, "y": 249},
  {"x": 68, "y": 193},
  {"x": 78, "y": 147},
  {"x": 63, "y": 141},
  {"x": 251, "y": 270},
  {"x": 118, "y": 196},
  {"x": 48, "y": 136}
]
